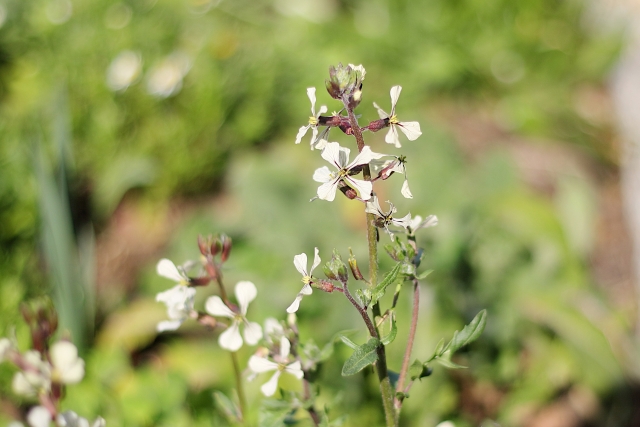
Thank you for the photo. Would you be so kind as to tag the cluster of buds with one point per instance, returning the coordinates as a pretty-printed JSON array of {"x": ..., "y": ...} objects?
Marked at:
[{"x": 45, "y": 370}]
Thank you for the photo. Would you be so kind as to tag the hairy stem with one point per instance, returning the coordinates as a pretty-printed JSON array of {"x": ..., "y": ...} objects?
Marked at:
[
  {"x": 306, "y": 389},
  {"x": 372, "y": 238},
  {"x": 412, "y": 334},
  {"x": 363, "y": 312}
]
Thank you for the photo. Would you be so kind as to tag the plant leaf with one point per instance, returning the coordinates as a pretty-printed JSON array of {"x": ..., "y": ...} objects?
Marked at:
[
  {"x": 469, "y": 333},
  {"x": 393, "y": 330},
  {"x": 362, "y": 357},
  {"x": 390, "y": 278},
  {"x": 229, "y": 409}
]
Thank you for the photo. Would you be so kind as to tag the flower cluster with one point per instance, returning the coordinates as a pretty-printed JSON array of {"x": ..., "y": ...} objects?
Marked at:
[{"x": 180, "y": 298}]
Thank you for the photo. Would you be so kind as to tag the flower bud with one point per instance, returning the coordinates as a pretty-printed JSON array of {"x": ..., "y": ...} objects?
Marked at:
[
  {"x": 324, "y": 285},
  {"x": 345, "y": 84},
  {"x": 336, "y": 268},
  {"x": 328, "y": 272},
  {"x": 203, "y": 245},
  {"x": 353, "y": 264},
  {"x": 226, "y": 247}
]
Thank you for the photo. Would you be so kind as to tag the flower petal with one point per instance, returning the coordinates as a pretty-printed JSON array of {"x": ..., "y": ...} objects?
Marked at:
[
  {"x": 295, "y": 369},
  {"x": 168, "y": 325},
  {"x": 306, "y": 289},
  {"x": 327, "y": 191},
  {"x": 216, "y": 307},
  {"x": 285, "y": 347},
  {"x": 323, "y": 175},
  {"x": 39, "y": 416},
  {"x": 335, "y": 154},
  {"x": 373, "y": 206},
  {"x": 295, "y": 304},
  {"x": 322, "y": 110},
  {"x": 392, "y": 136},
  {"x": 395, "y": 94},
  {"x": 301, "y": 132},
  {"x": 311, "y": 93},
  {"x": 300, "y": 262},
  {"x": 381, "y": 113},
  {"x": 260, "y": 364},
  {"x": 316, "y": 260},
  {"x": 364, "y": 157},
  {"x": 168, "y": 269},
  {"x": 405, "y": 190},
  {"x": 269, "y": 388},
  {"x": 411, "y": 130},
  {"x": 363, "y": 187},
  {"x": 231, "y": 339},
  {"x": 245, "y": 293},
  {"x": 402, "y": 222},
  {"x": 252, "y": 333}
]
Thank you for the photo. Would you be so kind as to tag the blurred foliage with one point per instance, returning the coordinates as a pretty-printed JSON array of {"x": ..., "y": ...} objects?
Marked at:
[{"x": 167, "y": 99}]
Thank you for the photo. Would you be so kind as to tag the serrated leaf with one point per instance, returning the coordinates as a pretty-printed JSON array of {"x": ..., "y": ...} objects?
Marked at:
[
  {"x": 469, "y": 333},
  {"x": 229, "y": 409},
  {"x": 362, "y": 357},
  {"x": 390, "y": 278},
  {"x": 424, "y": 274}
]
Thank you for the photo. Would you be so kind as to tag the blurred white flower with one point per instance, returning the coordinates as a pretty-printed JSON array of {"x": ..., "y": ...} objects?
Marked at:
[
  {"x": 313, "y": 119},
  {"x": 385, "y": 219},
  {"x": 68, "y": 368},
  {"x": 59, "y": 11},
  {"x": 281, "y": 364},
  {"x": 165, "y": 78},
  {"x": 273, "y": 330},
  {"x": 5, "y": 347},
  {"x": 179, "y": 299},
  {"x": 34, "y": 377},
  {"x": 417, "y": 223},
  {"x": 71, "y": 419},
  {"x": 339, "y": 157},
  {"x": 124, "y": 70},
  {"x": 410, "y": 129},
  {"x": 300, "y": 262},
  {"x": 39, "y": 416},
  {"x": 231, "y": 339}
]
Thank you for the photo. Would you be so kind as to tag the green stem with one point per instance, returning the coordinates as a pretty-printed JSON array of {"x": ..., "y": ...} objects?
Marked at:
[
  {"x": 242, "y": 400},
  {"x": 386, "y": 390}
]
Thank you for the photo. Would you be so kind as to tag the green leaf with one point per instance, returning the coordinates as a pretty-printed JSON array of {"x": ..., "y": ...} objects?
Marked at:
[
  {"x": 229, "y": 409},
  {"x": 362, "y": 357},
  {"x": 469, "y": 333},
  {"x": 424, "y": 274},
  {"x": 388, "y": 338},
  {"x": 415, "y": 369},
  {"x": 390, "y": 278},
  {"x": 348, "y": 342},
  {"x": 448, "y": 363}
]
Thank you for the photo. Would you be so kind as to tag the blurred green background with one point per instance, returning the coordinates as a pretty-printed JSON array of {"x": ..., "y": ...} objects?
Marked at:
[{"x": 128, "y": 128}]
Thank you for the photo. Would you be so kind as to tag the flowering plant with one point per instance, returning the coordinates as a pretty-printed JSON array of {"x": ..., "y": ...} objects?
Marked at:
[{"x": 281, "y": 350}]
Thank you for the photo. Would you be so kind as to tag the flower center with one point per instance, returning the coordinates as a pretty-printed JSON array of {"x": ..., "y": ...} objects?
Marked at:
[
  {"x": 313, "y": 121},
  {"x": 393, "y": 120},
  {"x": 306, "y": 279}
]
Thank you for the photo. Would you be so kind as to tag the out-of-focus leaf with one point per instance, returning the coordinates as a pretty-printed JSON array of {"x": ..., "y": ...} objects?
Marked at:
[
  {"x": 228, "y": 408},
  {"x": 469, "y": 333}
]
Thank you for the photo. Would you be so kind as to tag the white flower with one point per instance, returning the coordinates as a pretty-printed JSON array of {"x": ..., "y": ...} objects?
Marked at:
[
  {"x": 300, "y": 262},
  {"x": 165, "y": 78},
  {"x": 417, "y": 223},
  {"x": 124, "y": 70},
  {"x": 5, "y": 348},
  {"x": 71, "y": 419},
  {"x": 179, "y": 299},
  {"x": 231, "y": 339},
  {"x": 384, "y": 219},
  {"x": 260, "y": 364},
  {"x": 273, "y": 330},
  {"x": 39, "y": 416},
  {"x": 35, "y": 376},
  {"x": 385, "y": 168},
  {"x": 339, "y": 157},
  {"x": 313, "y": 119},
  {"x": 68, "y": 368},
  {"x": 410, "y": 129}
]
